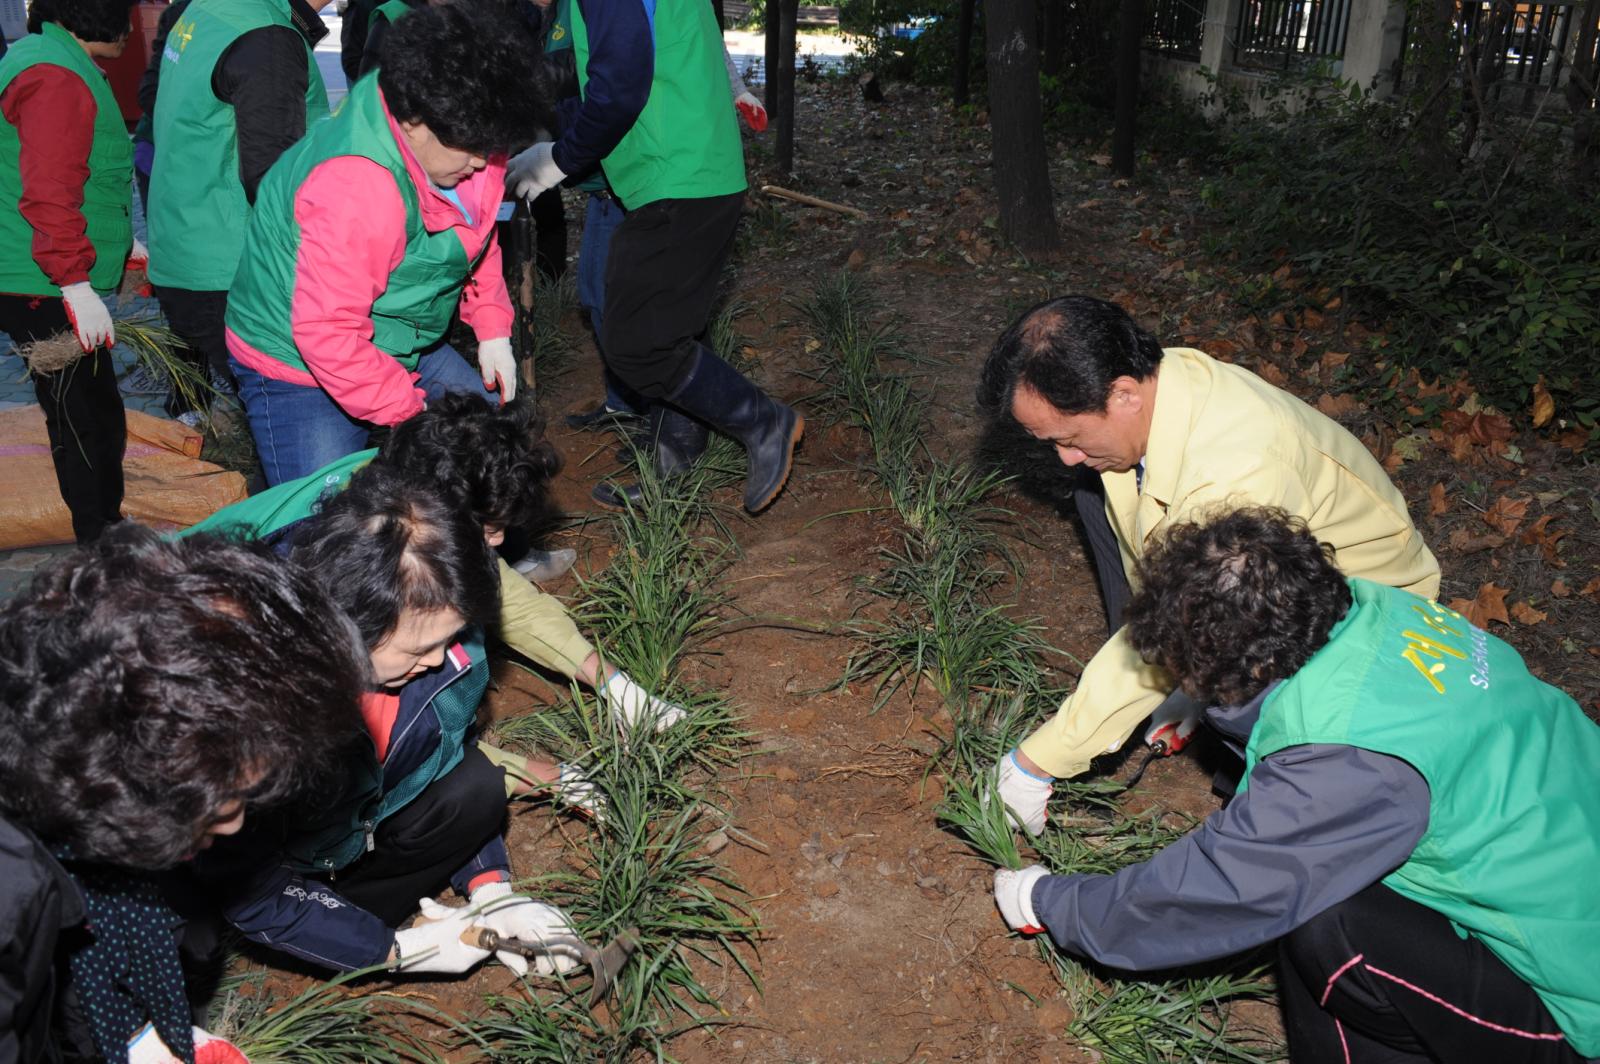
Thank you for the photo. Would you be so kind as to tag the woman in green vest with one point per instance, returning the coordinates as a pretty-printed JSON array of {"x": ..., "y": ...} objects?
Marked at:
[
  {"x": 1418, "y": 827},
  {"x": 66, "y": 167},
  {"x": 369, "y": 235}
]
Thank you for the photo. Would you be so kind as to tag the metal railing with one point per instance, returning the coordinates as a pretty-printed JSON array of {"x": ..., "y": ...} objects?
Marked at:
[
  {"x": 1175, "y": 28},
  {"x": 1511, "y": 47},
  {"x": 1284, "y": 34}
]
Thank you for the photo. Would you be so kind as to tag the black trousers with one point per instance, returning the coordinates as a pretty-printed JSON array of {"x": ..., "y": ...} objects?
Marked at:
[
  {"x": 197, "y": 318},
  {"x": 83, "y": 416},
  {"x": 418, "y": 849},
  {"x": 1090, "y": 498},
  {"x": 1380, "y": 979},
  {"x": 661, "y": 282}
]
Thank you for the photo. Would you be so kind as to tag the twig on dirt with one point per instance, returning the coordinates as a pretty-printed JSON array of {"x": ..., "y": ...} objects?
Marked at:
[{"x": 812, "y": 201}]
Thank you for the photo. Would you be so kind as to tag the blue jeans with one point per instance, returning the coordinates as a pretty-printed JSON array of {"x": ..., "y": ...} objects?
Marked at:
[
  {"x": 601, "y": 219},
  {"x": 298, "y": 429}
]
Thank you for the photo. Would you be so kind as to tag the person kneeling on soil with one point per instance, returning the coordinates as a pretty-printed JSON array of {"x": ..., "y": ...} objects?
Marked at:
[
  {"x": 1418, "y": 826},
  {"x": 152, "y": 693},
  {"x": 494, "y": 463},
  {"x": 419, "y": 805}
]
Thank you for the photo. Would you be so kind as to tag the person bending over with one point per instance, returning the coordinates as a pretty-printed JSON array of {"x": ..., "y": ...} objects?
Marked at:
[
  {"x": 493, "y": 463},
  {"x": 1418, "y": 826},
  {"x": 371, "y": 233},
  {"x": 420, "y": 806},
  {"x": 1163, "y": 434},
  {"x": 153, "y": 694}
]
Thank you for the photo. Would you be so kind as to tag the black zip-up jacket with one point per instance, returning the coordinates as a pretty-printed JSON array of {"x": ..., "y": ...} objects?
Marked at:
[{"x": 39, "y": 906}]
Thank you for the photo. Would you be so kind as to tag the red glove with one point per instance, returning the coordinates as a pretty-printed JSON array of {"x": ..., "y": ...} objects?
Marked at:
[
  {"x": 755, "y": 115},
  {"x": 209, "y": 1049}
]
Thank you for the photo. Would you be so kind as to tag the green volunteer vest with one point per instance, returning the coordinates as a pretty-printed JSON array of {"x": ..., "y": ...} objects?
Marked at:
[
  {"x": 413, "y": 312},
  {"x": 1512, "y": 850},
  {"x": 106, "y": 194},
  {"x": 685, "y": 143},
  {"x": 391, "y": 12},
  {"x": 198, "y": 212},
  {"x": 336, "y": 833}
]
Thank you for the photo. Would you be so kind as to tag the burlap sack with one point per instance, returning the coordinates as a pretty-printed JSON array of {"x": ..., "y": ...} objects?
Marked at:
[{"x": 168, "y": 487}]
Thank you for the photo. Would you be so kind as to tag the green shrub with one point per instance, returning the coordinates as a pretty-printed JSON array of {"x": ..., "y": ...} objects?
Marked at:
[{"x": 1485, "y": 267}]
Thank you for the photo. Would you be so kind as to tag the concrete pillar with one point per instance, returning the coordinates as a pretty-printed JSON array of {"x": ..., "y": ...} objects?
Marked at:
[
  {"x": 1372, "y": 46},
  {"x": 1216, "y": 43}
]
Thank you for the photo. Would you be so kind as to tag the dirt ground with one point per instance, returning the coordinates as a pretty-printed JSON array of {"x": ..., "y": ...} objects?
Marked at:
[{"x": 879, "y": 938}]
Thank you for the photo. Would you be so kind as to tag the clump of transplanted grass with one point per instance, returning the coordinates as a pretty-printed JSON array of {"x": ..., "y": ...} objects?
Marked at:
[
  {"x": 649, "y": 864},
  {"x": 326, "y": 1023}
]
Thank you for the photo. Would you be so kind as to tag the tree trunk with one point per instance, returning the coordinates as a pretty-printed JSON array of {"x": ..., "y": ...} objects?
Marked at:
[
  {"x": 1129, "y": 30},
  {"x": 1016, "y": 124},
  {"x": 771, "y": 93},
  {"x": 784, "y": 78},
  {"x": 1053, "y": 48},
  {"x": 961, "y": 91},
  {"x": 1437, "y": 53}
]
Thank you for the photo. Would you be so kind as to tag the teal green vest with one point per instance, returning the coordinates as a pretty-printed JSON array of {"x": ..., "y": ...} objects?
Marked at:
[
  {"x": 106, "y": 194},
  {"x": 337, "y": 833},
  {"x": 1512, "y": 850},
  {"x": 198, "y": 211},
  {"x": 685, "y": 143},
  {"x": 413, "y": 312},
  {"x": 392, "y": 12}
]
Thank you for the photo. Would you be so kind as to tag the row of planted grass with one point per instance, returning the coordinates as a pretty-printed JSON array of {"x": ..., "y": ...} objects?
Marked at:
[
  {"x": 648, "y": 864},
  {"x": 946, "y": 628}
]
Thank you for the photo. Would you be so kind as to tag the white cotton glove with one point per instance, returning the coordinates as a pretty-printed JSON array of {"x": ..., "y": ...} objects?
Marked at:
[
  {"x": 1023, "y": 793},
  {"x": 531, "y": 172},
  {"x": 1013, "y": 893},
  {"x": 519, "y": 916},
  {"x": 574, "y": 787},
  {"x": 433, "y": 943},
  {"x": 630, "y": 704},
  {"x": 496, "y": 362},
  {"x": 90, "y": 317}
]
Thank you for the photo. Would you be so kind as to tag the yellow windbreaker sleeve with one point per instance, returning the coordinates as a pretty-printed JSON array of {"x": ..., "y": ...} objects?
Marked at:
[{"x": 538, "y": 626}]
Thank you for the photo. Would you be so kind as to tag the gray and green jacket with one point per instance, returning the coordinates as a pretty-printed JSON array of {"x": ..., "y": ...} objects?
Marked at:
[{"x": 1413, "y": 749}]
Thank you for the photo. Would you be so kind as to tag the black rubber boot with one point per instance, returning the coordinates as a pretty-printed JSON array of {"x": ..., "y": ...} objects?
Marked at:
[
  {"x": 729, "y": 402},
  {"x": 676, "y": 442}
]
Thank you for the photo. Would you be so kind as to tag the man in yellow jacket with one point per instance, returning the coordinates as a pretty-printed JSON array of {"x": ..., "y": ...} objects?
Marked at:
[{"x": 1171, "y": 434}]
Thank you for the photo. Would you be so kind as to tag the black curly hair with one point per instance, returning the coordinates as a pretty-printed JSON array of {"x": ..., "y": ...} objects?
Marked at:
[
  {"x": 1233, "y": 603},
  {"x": 491, "y": 460},
  {"x": 1069, "y": 349},
  {"x": 467, "y": 71},
  {"x": 102, "y": 21},
  {"x": 148, "y": 684},
  {"x": 390, "y": 543}
]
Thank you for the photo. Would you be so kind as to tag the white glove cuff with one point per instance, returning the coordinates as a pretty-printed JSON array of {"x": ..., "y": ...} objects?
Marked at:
[
  {"x": 486, "y": 894},
  {"x": 1014, "y": 893}
]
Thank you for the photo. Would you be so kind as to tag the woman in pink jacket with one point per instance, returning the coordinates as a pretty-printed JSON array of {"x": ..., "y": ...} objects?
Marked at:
[{"x": 368, "y": 236}]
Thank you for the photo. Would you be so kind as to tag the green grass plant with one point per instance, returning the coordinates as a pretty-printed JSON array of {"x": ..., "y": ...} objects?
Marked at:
[{"x": 326, "y": 1023}]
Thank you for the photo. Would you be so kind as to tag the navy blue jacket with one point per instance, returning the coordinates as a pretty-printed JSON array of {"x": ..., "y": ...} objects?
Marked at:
[
  {"x": 284, "y": 907},
  {"x": 622, "y": 64}
]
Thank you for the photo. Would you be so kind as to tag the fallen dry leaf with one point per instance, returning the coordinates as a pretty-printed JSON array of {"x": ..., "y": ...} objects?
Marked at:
[
  {"x": 1482, "y": 428},
  {"x": 1592, "y": 588},
  {"x": 1269, "y": 372},
  {"x": 1505, "y": 514},
  {"x": 1544, "y": 407},
  {"x": 1524, "y": 613},
  {"x": 1334, "y": 359},
  {"x": 1560, "y": 589},
  {"x": 1490, "y": 605},
  {"x": 1341, "y": 405},
  {"x": 1463, "y": 542},
  {"x": 1538, "y": 534},
  {"x": 1100, "y": 160},
  {"x": 1437, "y": 503}
]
